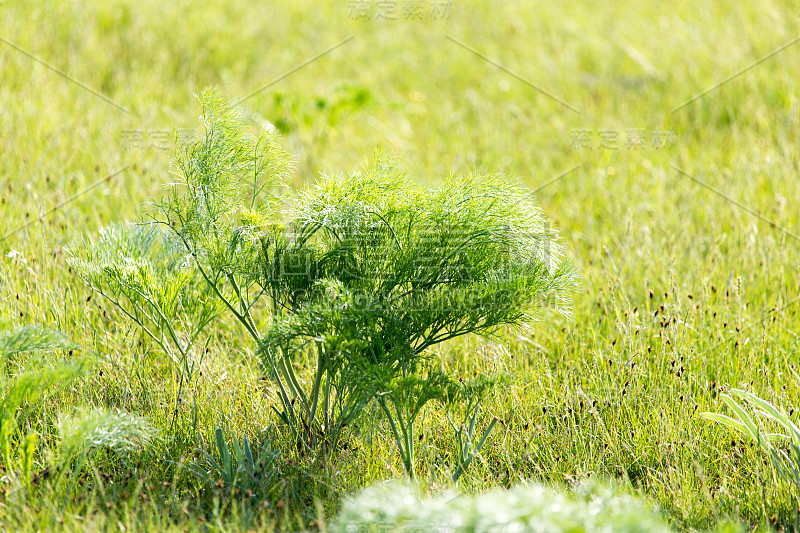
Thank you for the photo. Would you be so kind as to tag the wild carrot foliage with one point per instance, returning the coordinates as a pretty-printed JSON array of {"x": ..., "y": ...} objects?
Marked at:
[{"x": 358, "y": 276}]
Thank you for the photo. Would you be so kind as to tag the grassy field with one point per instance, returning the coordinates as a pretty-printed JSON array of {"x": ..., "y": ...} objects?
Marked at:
[{"x": 681, "y": 219}]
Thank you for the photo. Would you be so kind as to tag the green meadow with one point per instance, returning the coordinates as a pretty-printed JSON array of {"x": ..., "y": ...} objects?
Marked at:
[{"x": 660, "y": 140}]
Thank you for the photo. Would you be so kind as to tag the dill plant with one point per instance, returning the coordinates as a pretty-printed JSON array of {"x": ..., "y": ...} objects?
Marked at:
[
  {"x": 391, "y": 269},
  {"x": 355, "y": 277}
]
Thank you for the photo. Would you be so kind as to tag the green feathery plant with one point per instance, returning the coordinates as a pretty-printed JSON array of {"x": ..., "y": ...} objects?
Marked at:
[
  {"x": 386, "y": 269},
  {"x": 358, "y": 278},
  {"x": 86, "y": 432},
  {"x": 33, "y": 338},
  {"x": 140, "y": 270},
  {"x": 402, "y": 399}
]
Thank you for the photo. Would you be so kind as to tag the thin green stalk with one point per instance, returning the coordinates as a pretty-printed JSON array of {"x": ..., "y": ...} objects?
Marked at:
[
  {"x": 317, "y": 383},
  {"x": 403, "y": 447},
  {"x": 285, "y": 366},
  {"x": 327, "y": 403},
  {"x": 245, "y": 308},
  {"x": 253, "y": 333},
  {"x": 409, "y": 435}
]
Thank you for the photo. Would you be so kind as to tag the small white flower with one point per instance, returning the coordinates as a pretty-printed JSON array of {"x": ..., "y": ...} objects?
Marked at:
[{"x": 14, "y": 254}]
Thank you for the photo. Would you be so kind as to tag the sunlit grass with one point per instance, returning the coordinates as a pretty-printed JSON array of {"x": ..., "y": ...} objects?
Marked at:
[{"x": 684, "y": 294}]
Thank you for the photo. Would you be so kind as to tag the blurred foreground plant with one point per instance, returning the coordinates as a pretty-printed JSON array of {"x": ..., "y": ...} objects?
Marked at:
[{"x": 592, "y": 507}]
